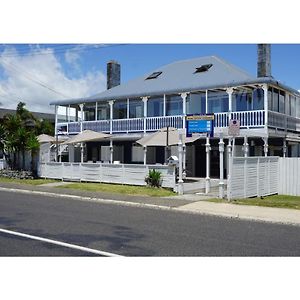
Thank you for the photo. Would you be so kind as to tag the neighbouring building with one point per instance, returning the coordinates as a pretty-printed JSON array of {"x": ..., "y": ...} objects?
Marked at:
[{"x": 268, "y": 111}]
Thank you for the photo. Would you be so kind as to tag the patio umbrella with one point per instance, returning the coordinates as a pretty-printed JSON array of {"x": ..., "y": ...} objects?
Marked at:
[
  {"x": 87, "y": 136},
  {"x": 159, "y": 138},
  {"x": 45, "y": 138}
]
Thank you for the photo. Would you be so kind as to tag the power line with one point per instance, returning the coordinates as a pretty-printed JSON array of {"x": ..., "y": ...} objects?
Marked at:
[
  {"x": 52, "y": 50},
  {"x": 29, "y": 77}
]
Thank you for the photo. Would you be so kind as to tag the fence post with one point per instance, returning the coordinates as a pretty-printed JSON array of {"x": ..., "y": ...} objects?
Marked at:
[
  {"x": 257, "y": 181},
  {"x": 245, "y": 177},
  {"x": 230, "y": 168}
]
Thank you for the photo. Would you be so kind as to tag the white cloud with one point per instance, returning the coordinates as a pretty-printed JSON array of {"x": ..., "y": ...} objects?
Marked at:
[
  {"x": 72, "y": 57},
  {"x": 47, "y": 70}
]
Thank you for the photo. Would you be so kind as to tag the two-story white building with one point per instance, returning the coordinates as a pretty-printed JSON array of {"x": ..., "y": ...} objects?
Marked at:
[{"x": 268, "y": 111}]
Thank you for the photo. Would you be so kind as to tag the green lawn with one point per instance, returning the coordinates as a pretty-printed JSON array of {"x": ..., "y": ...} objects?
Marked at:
[
  {"x": 280, "y": 201},
  {"x": 120, "y": 189},
  {"x": 26, "y": 181}
]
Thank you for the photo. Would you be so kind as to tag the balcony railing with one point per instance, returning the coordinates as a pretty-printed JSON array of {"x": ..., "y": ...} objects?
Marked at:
[
  {"x": 124, "y": 125},
  {"x": 248, "y": 119},
  {"x": 282, "y": 121},
  {"x": 254, "y": 118}
]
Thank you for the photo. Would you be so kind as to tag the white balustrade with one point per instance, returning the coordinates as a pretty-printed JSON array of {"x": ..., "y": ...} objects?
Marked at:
[
  {"x": 156, "y": 123},
  {"x": 248, "y": 119},
  {"x": 282, "y": 121},
  {"x": 253, "y": 118}
]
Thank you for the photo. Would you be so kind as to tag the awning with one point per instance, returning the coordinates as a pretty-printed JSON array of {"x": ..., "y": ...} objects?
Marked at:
[
  {"x": 87, "y": 136},
  {"x": 45, "y": 138},
  {"x": 159, "y": 138}
]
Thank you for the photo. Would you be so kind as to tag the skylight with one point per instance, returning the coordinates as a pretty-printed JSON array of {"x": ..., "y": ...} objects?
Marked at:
[
  {"x": 153, "y": 75},
  {"x": 203, "y": 68}
]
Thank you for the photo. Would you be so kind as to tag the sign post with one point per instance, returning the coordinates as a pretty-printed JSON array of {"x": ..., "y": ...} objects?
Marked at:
[
  {"x": 202, "y": 125},
  {"x": 233, "y": 131}
]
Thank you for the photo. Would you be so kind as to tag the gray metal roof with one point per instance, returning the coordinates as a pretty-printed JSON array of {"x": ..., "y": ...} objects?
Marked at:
[{"x": 178, "y": 77}]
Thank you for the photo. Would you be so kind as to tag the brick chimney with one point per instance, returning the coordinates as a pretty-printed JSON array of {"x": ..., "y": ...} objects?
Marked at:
[
  {"x": 264, "y": 60},
  {"x": 113, "y": 74}
]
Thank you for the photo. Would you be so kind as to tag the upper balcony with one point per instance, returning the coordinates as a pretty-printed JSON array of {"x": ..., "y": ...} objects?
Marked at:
[
  {"x": 248, "y": 120},
  {"x": 255, "y": 106}
]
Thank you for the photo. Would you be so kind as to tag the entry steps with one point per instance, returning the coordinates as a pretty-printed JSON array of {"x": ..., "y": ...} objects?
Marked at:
[{"x": 197, "y": 185}]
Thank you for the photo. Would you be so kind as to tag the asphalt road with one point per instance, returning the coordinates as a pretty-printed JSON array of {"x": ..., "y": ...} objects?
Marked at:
[{"x": 133, "y": 231}]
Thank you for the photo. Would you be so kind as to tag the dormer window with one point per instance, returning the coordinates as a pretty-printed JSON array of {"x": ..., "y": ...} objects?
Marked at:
[
  {"x": 153, "y": 75},
  {"x": 203, "y": 68}
]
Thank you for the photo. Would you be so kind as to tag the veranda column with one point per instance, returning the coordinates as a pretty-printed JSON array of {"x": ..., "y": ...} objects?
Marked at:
[
  {"x": 145, "y": 155},
  {"x": 284, "y": 148},
  {"x": 184, "y": 96},
  {"x": 265, "y": 88},
  {"x": 229, "y": 91},
  {"x": 81, "y": 117},
  {"x": 221, "y": 183},
  {"x": 111, "y": 148},
  {"x": 145, "y": 99},
  {"x": 96, "y": 111},
  {"x": 246, "y": 146},
  {"x": 81, "y": 129},
  {"x": 266, "y": 146},
  {"x": 56, "y": 132},
  {"x": 180, "y": 181},
  {"x": 207, "y": 178}
]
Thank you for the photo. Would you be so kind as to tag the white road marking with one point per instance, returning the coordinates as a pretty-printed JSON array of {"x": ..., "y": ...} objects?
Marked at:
[{"x": 67, "y": 245}]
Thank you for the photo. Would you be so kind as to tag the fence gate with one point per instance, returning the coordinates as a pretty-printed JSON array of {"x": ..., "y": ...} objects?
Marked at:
[
  {"x": 289, "y": 176},
  {"x": 252, "y": 176}
]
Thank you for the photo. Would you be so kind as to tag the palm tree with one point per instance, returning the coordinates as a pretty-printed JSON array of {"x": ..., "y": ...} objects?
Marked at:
[
  {"x": 11, "y": 124},
  {"x": 18, "y": 134}
]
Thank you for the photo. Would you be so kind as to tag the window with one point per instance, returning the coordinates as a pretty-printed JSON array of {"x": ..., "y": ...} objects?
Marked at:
[
  {"x": 173, "y": 105},
  {"x": 275, "y": 100},
  {"x": 287, "y": 105},
  {"x": 270, "y": 98},
  {"x": 217, "y": 102},
  {"x": 137, "y": 153},
  {"x": 153, "y": 75},
  {"x": 155, "y": 107},
  {"x": 103, "y": 111},
  {"x": 297, "y": 107},
  {"x": 258, "y": 99},
  {"x": 136, "y": 108},
  {"x": 195, "y": 103},
  {"x": 120, "y": 109},
  {"x": 203, "y": 68},
  {"x": 242, "y": 101},
  {"x": 293, "y": 106},
  {"x": 89, "y": 111},
  {"x": 281, "y": 102}
]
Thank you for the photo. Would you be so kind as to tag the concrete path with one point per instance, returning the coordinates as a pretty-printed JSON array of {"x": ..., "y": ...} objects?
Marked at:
[{"x": 247, "y": 212}]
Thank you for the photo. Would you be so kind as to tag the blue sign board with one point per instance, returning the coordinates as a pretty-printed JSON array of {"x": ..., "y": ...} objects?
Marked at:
[{"x": 200, "y": 124}]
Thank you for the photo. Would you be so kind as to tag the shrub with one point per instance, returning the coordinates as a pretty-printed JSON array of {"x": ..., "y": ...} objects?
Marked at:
[{"x": 153, "y": 178}]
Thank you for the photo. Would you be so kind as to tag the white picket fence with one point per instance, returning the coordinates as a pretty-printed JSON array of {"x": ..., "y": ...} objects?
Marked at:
[
  {"x": 253, "y": 176},
  {"x": 133, "y": 174},
  {"x": 289, "y": 176}
]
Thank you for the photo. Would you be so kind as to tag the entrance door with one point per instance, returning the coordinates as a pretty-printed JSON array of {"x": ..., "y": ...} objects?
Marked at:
[{"x": 200, "y": 164}]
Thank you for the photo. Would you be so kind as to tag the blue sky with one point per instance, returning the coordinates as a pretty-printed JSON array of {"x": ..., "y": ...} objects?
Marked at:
[{"x": 80, "y": 70}]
